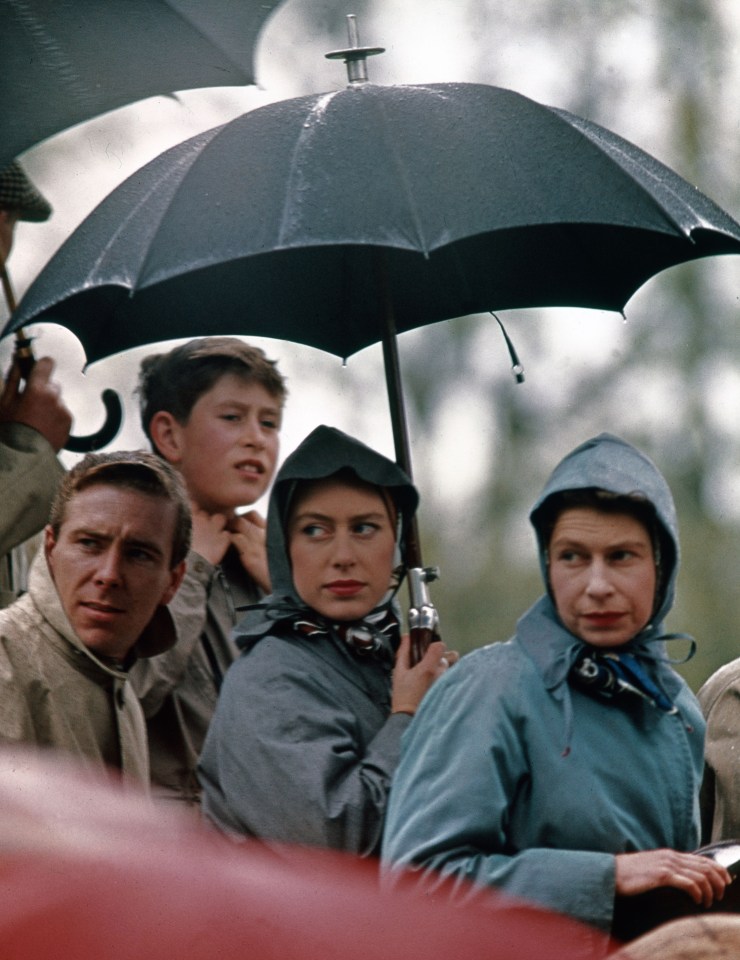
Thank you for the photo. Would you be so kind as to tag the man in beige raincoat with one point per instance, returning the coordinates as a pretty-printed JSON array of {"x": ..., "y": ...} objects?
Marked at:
[
  {"x": 114, "y": 556},
  {"x": 34, "y": 420}
]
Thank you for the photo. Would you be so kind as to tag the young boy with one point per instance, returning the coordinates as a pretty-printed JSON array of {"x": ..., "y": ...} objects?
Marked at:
[{"x": 212, "y": 408}]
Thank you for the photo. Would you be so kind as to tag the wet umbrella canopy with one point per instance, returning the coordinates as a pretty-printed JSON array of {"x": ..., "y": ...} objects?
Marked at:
[
  {"x": 470, "y": 197},
  {"x": 65, "y": 62},
  {"x": 334, "y": 220}
]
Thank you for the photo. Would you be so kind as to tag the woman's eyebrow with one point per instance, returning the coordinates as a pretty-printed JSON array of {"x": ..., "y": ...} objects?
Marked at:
[
  {"x": 311, "y": 515},
  {"x": 330, "y": 518}
]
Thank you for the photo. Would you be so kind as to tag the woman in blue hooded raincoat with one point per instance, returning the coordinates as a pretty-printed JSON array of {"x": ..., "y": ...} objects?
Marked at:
[
  {"x": 564, "y": 765},
  {"x": 307, "y": 729}
]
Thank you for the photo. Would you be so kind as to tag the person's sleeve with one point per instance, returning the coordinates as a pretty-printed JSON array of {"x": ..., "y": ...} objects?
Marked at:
[
  {"x": 29, "y": 475},
  {"x": 720, "y": 796},
  {"x": 16, "y": 715},
  {"x": 154, "y": 678},
  {"x": 284, "y": 762},
  {"x": 463, "y": 768}
]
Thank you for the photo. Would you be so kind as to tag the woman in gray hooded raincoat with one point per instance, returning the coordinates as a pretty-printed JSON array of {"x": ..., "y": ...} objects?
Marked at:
[
  {"x": 564, "y": 765},
  {"x": 307, "y": 729}
]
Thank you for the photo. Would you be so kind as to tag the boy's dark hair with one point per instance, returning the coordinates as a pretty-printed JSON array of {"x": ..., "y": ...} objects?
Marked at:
[
  {"x": 174, "y": 381},
  {"x": 132, "y": 470}
]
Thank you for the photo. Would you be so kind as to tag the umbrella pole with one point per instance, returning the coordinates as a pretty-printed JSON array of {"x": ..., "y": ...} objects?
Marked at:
[
  {"x": 423, "y": 618},
  {"x": 395, "y": 391}
]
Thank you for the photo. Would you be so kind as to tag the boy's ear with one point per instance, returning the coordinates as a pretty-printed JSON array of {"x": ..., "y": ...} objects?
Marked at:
[{"x": 166, "y": 434}]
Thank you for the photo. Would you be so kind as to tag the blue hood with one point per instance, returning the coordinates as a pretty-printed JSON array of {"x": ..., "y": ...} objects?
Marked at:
[{"x": 608, "y": 463}]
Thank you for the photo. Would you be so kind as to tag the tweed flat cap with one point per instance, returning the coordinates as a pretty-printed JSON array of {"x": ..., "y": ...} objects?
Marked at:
[{"x": 18, "y": 193}]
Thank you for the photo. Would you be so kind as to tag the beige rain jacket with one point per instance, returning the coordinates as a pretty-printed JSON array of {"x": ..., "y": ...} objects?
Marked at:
[
  {"x": 29, "y": 474},
  {"x": 720, "y": 799},
  {"x": 178, "y": 691}
]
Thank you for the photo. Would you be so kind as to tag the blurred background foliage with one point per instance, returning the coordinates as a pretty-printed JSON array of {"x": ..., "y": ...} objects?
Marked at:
[{"x": 662, "y": 73}]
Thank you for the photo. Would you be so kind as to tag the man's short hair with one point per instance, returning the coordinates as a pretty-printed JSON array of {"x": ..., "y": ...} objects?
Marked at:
[
  {"x": 174, "y": 381},
  {"x": 132, "y": 470}
]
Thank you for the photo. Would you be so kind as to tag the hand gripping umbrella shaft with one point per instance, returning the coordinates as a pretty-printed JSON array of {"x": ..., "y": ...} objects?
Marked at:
[{"x": 423, "y": 619}]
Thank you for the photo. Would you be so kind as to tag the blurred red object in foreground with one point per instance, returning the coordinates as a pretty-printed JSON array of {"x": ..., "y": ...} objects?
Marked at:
[{"x": 92, "y": 872}]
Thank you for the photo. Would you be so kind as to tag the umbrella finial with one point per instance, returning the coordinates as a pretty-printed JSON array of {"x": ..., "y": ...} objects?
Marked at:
[{"x": 355, "y": 55}]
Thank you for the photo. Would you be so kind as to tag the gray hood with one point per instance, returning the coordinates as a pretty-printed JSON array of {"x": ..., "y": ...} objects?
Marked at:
[
  {"x": 608, "y": 463},
  {"x": 323, "y": 453}
]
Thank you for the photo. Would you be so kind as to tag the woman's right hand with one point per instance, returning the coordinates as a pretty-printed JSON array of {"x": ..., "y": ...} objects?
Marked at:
[
  {"x": 701, "y": 877},
  {"x": 411, "y": 683}
]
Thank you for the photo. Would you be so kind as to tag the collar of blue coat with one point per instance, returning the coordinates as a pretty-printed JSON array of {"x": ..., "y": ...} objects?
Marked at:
[{"x": 554, "y": 650}]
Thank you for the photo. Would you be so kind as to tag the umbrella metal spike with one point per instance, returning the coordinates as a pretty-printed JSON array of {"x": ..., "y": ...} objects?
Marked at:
[{"x": 355, "y": 55}]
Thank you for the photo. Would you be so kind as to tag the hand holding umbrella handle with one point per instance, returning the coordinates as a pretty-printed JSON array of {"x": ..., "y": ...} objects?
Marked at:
[
  {"x": 113, "y": 407},
  {"x": 25, "y": 359},
  {"x": 423, "y": 616}
]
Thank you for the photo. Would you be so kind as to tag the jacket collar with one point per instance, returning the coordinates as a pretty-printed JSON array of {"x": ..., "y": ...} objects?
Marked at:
[{"x": 553, "y": 649}]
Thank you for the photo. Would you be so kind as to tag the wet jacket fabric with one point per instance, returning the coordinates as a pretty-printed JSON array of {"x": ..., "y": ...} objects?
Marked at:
[
  {"x": 513, "y": 778},
  {"x": 29, "y": 475},
  {"x": 56, "y": 694},
  {"x": 178, "y": 690},
  {"x": 720, "y": 800},
  {"x": 302, "y": 746}
]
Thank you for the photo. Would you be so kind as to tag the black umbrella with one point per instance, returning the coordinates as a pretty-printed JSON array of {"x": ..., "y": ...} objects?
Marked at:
[
  {"x": 307, "y": 219},
  {"x": 335, "y": 220},
  {"x": 64, "y": 62}
]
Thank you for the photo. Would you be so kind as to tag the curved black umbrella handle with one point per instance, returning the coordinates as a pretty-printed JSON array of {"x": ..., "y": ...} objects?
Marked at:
[
  {"x": 102, "y": 437},
  {"x": 26, "y": 360},
  {"x": 113, "y": 405}
]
